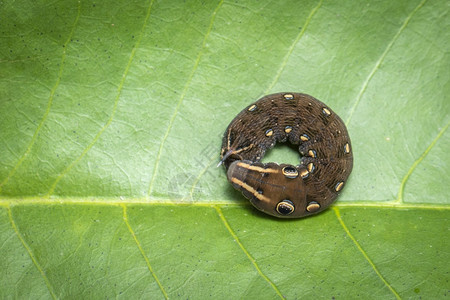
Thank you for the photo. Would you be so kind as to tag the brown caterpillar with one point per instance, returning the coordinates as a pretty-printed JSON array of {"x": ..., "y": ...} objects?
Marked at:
[{"x": 283, "y": 190}]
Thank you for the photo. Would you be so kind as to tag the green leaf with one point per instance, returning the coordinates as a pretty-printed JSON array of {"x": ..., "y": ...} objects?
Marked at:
[{"x": 111, "y": 120}]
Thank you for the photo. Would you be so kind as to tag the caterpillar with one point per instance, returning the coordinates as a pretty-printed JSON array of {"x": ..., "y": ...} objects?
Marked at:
[{"x": 284, "y": 190}]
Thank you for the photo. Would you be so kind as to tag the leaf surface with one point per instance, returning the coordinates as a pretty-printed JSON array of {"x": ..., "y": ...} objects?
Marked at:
[{"x": 112, "y": 116}]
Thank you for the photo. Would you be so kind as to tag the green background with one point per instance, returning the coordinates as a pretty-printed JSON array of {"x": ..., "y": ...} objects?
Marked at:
[{"x": 111, "y": 117}]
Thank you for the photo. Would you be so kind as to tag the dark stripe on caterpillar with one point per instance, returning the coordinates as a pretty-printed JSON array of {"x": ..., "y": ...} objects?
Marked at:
[{"x": 284, "y": 190}]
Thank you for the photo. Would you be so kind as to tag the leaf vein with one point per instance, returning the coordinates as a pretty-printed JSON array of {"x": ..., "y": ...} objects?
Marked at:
[
  {"x": 147, "y": 261},
  {"x": 114, "y": 110},
  {"x": 249, "y": 256},
  {"x": 381, "y": 59},
  {"x": 291, "y": 48},
  {"x": 417, "y": 162},
  {"x": 347, "y": 231},
  {"x": 117, "y": 201},
  {"x": 49, "y": 103},
  {"x": 183, "y": 94},
  {"x": 30, "y": 253}
]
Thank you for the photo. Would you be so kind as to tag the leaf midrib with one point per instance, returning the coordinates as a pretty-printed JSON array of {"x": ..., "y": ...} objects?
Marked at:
[{"x": 7, "y": 202}]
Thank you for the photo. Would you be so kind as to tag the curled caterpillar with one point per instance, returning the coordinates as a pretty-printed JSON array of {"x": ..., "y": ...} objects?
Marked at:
[{"x": 284, "y": 190}]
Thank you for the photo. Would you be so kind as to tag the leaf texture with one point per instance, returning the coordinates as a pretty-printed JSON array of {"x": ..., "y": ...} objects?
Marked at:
[{"x": 111, "y": 120}]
